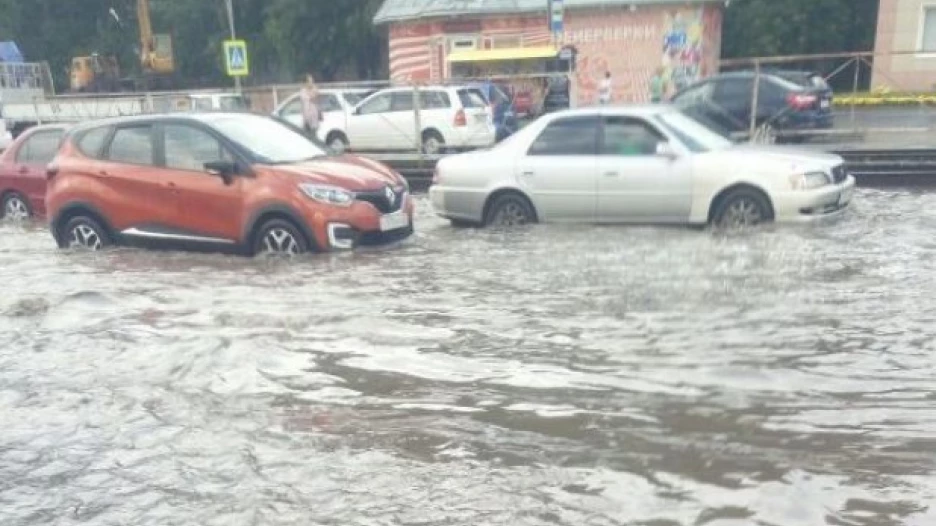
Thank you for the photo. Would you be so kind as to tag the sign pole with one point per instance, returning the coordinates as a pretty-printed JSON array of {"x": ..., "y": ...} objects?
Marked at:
[{"x": 230, "y": 14}]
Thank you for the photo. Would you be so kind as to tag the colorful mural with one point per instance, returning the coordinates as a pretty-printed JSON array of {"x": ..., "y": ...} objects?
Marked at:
[
  {"x": 650, "y": 52},
  {"x": 683, "y": 48}
]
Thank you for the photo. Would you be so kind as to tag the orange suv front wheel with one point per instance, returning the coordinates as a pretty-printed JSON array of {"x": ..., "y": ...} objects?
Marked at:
[{"x": 278, "y": 238}]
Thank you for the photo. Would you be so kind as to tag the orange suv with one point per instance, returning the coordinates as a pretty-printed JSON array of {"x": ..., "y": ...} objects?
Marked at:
[{"x": 218, "y": 182}]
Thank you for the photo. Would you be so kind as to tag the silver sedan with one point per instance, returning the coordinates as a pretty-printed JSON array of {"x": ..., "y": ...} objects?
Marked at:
[{"x": 638, "y": 164}]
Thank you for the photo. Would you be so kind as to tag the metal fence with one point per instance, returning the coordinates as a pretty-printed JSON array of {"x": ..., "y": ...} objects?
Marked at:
[{"x": 891, "y": 114}]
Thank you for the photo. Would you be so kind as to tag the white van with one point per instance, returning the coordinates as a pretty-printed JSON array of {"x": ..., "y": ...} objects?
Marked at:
[{"x": 450, "y": 118}]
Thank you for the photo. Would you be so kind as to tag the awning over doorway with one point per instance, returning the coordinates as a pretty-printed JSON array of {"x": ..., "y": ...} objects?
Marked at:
[{"x": 490, "y": 55}]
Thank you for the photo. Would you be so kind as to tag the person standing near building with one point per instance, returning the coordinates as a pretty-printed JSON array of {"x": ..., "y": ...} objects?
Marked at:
[
  {"x": 657, "y": 86},
  {"x": 605, "y": 89},
  {"x": 311, "y": 116}
]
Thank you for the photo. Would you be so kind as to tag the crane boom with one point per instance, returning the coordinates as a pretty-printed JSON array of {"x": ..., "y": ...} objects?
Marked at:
[{"x": 146, "y": 33}]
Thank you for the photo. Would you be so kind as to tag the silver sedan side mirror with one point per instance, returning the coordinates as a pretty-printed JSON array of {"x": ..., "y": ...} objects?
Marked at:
[{"x": 665, "y": 149}]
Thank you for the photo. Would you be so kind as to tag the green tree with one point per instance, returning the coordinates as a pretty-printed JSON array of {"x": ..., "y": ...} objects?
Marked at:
[
  {"x": 324, "y": 37},
  {"x": 794, "y": 27}
]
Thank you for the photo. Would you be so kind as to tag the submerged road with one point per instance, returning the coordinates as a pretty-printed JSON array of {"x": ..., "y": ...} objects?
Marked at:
[{"x": 557, "y": 375}]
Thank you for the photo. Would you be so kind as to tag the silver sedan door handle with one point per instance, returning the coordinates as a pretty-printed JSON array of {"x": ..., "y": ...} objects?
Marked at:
[
  {"x": 529, "y": 174},
  {"x": 611, "y": 174}
]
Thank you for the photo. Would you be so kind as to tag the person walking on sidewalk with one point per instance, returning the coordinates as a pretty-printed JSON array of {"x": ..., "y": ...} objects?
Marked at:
[
  {"x": 604, "y": 90},
  {"x": 311, "y": 116}
]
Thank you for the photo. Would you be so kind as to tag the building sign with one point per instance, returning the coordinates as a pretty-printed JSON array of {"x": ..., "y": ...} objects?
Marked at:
[
  {"x": 556, "y": 16},
  {"x": 599, "y": 35}
]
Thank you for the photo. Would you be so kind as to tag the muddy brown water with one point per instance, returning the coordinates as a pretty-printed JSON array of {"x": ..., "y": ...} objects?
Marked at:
[{"x": 554, "y": 376}]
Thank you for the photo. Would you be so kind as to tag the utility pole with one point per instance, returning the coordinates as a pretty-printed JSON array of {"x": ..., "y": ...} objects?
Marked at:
[{"x": 230, "y": 14}]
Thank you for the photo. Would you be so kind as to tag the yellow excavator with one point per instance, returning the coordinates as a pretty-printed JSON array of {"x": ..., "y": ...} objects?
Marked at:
[
  {"x": 156, "y": 54},
  {"x": 95, "y": 73}
]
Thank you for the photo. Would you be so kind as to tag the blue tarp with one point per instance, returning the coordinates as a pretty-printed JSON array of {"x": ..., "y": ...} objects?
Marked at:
[{"x": 9, "y": 52}]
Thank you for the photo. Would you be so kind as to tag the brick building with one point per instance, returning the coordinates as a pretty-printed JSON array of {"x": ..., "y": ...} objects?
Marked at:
[{"x": 633, "y": 39}]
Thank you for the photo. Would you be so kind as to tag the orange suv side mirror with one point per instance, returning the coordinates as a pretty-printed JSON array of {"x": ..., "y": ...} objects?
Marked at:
[{"x": 226, "y": 170}]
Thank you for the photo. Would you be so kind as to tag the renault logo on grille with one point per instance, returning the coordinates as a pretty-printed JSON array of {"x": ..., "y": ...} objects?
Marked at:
[{"x": 390, "y": 195}]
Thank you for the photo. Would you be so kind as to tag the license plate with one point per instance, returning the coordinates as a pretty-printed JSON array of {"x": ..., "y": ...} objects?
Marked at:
[
  {"x": 481, "y": 118},
  {"x": 394, "y": 221},
  {"x": 824, "y": 104}
]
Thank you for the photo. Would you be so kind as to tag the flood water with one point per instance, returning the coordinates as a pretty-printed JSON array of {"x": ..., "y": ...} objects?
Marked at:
[{"x": 555, "y": 376}]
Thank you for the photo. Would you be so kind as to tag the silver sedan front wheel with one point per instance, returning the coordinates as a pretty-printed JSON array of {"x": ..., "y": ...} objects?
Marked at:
[
  {"x": 743, "y": 208},
  {"x": 743, "y": 212}
]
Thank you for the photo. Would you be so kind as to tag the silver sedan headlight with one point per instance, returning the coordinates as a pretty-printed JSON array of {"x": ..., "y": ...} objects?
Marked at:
[
  {"x": 331, "y": 195},
  {"x": 810, "y": 180}
]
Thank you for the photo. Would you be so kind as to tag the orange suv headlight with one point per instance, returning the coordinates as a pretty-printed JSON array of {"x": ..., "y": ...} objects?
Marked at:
[{"x": 331, "y": 195}]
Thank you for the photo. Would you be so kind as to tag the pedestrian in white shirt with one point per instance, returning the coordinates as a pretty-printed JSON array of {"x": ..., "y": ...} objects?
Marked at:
[{"x": 605, "y": 90}]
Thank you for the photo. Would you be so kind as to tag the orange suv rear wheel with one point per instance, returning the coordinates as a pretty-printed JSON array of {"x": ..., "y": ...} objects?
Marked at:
[{"x": 84, "y": 233}]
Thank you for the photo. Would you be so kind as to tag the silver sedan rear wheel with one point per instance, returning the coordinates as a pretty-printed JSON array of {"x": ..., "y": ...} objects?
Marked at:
[{"x": 510, "y": 210}]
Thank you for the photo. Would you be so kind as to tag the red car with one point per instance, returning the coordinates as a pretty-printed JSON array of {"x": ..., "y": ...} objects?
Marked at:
[{"x": 23, "y": 172}]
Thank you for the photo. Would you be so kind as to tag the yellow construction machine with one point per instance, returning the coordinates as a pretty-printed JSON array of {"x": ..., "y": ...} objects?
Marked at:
[{"x": 157, "y": 62}]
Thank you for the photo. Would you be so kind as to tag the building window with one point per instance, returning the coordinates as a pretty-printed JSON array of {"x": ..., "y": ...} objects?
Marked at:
[{"x": 928, "y": 30}]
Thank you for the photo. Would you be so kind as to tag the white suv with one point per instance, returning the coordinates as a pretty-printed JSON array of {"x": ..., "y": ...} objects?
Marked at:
[
  {"x": 335, "y": 104},
  {"x": 450, "y": 118}
]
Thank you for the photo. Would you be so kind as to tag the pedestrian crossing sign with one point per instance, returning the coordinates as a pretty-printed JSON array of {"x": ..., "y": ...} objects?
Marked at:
[{"x": 235, "y": 55}]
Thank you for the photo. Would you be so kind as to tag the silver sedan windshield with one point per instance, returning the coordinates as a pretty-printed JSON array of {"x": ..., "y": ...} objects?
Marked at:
[{"x": 691, "y": 133}]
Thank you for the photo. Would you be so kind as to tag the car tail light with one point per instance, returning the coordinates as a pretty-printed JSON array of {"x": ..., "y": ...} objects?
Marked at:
[
  {"x": 801, "y": 101},
  {"x": 460, "y": 119}
]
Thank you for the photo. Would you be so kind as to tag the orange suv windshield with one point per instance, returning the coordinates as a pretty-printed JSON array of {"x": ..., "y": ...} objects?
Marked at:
[{"x": 269, "y": 141}]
